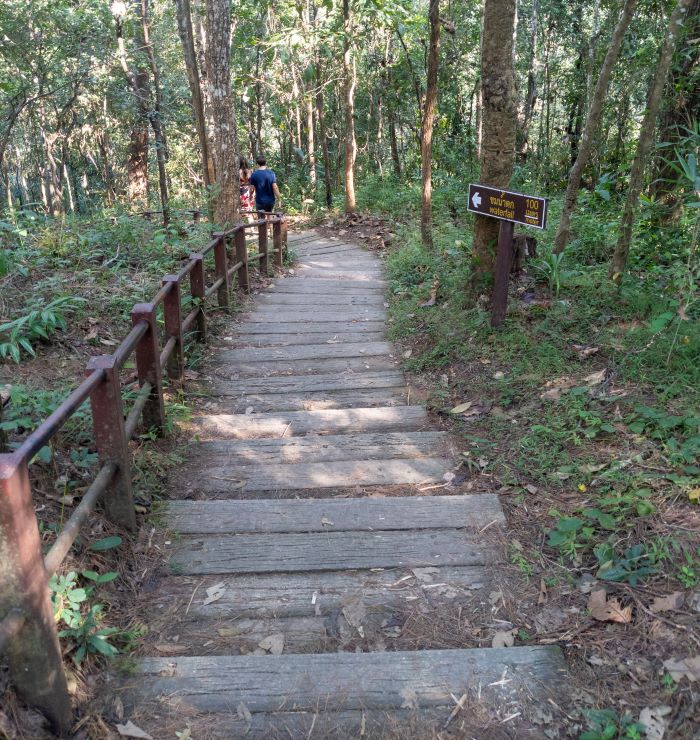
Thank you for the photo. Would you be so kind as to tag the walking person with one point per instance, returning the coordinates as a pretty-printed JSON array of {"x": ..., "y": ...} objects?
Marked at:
[
  {"x": 264, "y": 184},
  {"x": 244, "y": 174}
]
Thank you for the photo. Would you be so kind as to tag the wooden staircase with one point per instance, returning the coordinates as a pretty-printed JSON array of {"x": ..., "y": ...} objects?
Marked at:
[{"x": 303, "y": 546}]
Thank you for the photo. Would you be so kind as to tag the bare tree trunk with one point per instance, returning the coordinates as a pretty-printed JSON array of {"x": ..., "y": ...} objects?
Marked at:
[
  {"x": 320, "y": 113},
  {"x": 310, "y": 140},
  {"x": 531, "y": 94},
  {"x": 225, "y": 152},
  {"x": 350, "y": 82},
  {"x": 499, "y": 118},
  {"x": 592, "y": 120},
  {"x": 426, "y": 137},
  {"x": 393, "y": 144},
  {"x": 646, "y": 139}
]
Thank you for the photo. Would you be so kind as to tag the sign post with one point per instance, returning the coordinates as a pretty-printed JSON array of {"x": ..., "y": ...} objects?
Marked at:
[{"x": 510, "y": 208}]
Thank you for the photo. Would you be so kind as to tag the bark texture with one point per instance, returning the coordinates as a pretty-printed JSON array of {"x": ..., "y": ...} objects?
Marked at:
[
  {"x": 225, "y": 145},
  {"x": 426, "y": 138},
  {"x": 350, "y": 81},
  {"x": 585, "y": 146},
  {"x": 498, "y": 122},
  {"x": 646, "y": 138}
]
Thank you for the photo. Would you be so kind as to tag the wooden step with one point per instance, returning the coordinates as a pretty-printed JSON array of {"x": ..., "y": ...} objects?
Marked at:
[
  {"x": 325, "y": 299},
  {"x": 320, "y": 593},
  {"x": 312, "y": 401},
  {"x": 284, "y": 340},
  {"x": 319, "y": 475},
  {"x": 222, "y": 458},
  {"x": 374, "y": 363},
  {"x": 305, "y": 552},
  {"x": 333, "y": 515},
  {"x": 293, "y": 423},
  {"x": 319, "y": 314},
  {"x": 301, "y": 384},
  {"x": 303, "y": 352},
  {"x": 353, "y": 681},
  {"x": 327, "y": 328},
  {"x": 308, "y": 284}
]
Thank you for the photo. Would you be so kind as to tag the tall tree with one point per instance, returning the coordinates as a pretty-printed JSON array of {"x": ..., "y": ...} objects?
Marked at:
[
  {"x": 585, "y": 146},
  {"x": 225, "y": 140},
  {"x": 350, "y": 79},
  {"x": 498, "y": 122},
  {"x": 426, "y": 138}
]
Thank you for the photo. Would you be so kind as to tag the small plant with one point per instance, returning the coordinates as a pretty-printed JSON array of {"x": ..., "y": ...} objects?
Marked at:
[
  {"x": 606, "y": 724},
  {"x": 635, "y": 563},
  {"x": 551, "y": 268},
  {"x": 22, "y": 333}
]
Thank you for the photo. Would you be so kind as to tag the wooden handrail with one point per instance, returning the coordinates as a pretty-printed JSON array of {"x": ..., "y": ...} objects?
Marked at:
[{"x": 25, "y": 607}]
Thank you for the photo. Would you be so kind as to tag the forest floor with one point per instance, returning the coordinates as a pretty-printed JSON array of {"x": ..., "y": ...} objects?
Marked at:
[{"x": 582, "y": 414}]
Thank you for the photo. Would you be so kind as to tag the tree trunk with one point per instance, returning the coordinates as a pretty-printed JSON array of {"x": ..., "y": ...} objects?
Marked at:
[
  {"x": 320, "y": 113},
  {"x": 499, "y": 117},
  {"x": 393, "y": 143},
  {"x": 586, "y": 142},
  {"x": 646, "y": 139},
  {"x": 350, "y": 82},
  {"x": 184, "y": 27},
  {"x": 531, "y": 94},
  {"x": 426, "y": 136},
  {"x": 311, "y": 139},
  {"x": 225, "y": 152}
]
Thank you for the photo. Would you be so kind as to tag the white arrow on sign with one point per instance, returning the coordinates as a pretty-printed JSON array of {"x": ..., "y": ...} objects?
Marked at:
[{"x": 476, "y": 200}]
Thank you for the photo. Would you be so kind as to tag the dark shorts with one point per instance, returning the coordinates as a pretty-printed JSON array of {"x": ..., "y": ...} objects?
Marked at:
[{"x": 265, "y": 207}]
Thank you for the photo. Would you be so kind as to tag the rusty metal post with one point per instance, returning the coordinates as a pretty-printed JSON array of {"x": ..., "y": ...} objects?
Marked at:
[
  {"x": 111, "y": 442},
  {"x": 242, "y": 256},
  {"x": 221, "y": 265},
  {"x": 277, "y": 243},
  {"x": 262, "y": 248},
  {"x": 148, "y": 366},
  {"x": 172, "y": 314},
  {"x": 198, "y": 292},
  {"x": 504, "y": 255},
  {"x": 34, "y": 654}
]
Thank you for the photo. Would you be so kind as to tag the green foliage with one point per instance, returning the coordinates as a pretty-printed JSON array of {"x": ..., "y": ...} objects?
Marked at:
[{"x": 606, "y": 724}]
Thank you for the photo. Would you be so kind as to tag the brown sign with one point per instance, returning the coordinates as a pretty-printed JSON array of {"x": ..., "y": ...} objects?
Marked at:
[{"x": 508, "y": 206}]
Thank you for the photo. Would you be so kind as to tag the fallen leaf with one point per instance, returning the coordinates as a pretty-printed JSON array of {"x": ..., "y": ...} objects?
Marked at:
[
  {"x": 326, "y": 522},
  {"x": 407, "y": 354},
  {"x": 667, "y": 603},
  {"x": 249, "y": 410},
  {"x": 653, "y": 720},
  {"x": 131, "y": 730},
  {"x": 244, "y": 713},
  {"x": 355, "y": 612},
  {"x": 530, "y": 488},
  {"x": 461, "y": 408},
  {"x": 214, "y": 593},
  {"x": 273, "y": 643},
  {"x": 542, "y": 598},
  {"x": 425, "y": 575},
  {"x": 228, "y": 631},
  {"x": 608, "y": 610},
  {"x": 688, "y": 667},
  {"x": 595, "y": 378},
  {"x": 554, "y": 394},
  {"x": 503, "y": 639},
  {"x": 499, "y": 375},
  {"x": 410, "y": 698},
  {"x": 170, "y": 648},
  {"x": 694, "y": 495}
]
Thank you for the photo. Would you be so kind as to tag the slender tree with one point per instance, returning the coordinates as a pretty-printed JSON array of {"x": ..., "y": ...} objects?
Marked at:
[
  {"x": 585, "y": 146},
  {"x": 350, "y": 78},
  {"x": 426, "y": 138},
  {"x": 646, "y": 139}
]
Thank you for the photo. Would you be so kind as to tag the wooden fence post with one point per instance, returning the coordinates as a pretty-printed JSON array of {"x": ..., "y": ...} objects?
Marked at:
[
  {"x": 221, "y": 265},
  {"x": 111, "y": 442},
  {"x": 172, "y": 314},
  {"x": 284, "y": 232},
  {"x": 504, "y": 255},
  {"x": 242, "y": 256},
  {"x": 262, "y": 247},
  {"x": 34, "y": 654},
  {"x": 148, "y": 366},
  {"x": 277, "y": 243},
  {"x": 198, "y": 292}
]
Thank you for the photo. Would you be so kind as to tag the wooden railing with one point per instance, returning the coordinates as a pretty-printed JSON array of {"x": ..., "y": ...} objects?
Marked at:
[{"x": 28, "y": 634}]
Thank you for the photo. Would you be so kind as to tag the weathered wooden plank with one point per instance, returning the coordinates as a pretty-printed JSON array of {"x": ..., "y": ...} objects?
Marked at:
[
  {"x": 268, "y": 314},
  {"x": 305, "y": 352},
  {"x": 303, "y": 285},
  {"x": 313, "y": 594},
  {"x": 294, "y": 553},
  {"x": 354, "y": 276},
  {"x": 331, "y": 329},
  {"x": 235, "y": 370},
  {"x": 327, "y": 421},
  {"x": 333, "y": 515},
  {"x": 351, "y": 262},
  {"x": 349, "y": 680},
  {"x": 301, "y": 384},
  {"x": 318, "y": 475},
  {"x": 284, "y": 340},
  {"x": 347, "y": 399},
  {"x": 326, "y": 299}
]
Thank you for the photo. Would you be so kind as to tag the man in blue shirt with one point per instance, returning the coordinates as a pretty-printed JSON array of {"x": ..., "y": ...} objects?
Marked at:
[{"x": 265, "y": 187}]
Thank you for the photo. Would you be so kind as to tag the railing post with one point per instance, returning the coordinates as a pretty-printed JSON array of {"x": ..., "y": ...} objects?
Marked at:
[
  {"x": 172, "y": 314},
  {"x": 242, "y": 256},
  {"x": 148, "y": 366},
  {"x": 197, "y": 290},
  {"x": 221, "y": 265},
  {"x": 277, "y": 243},
  {"x": 262, "y": 247},
  {"x": 284, "y": 231},
  {"x": 111, "y": 442},
  {"x": 34, "y": 654}
]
